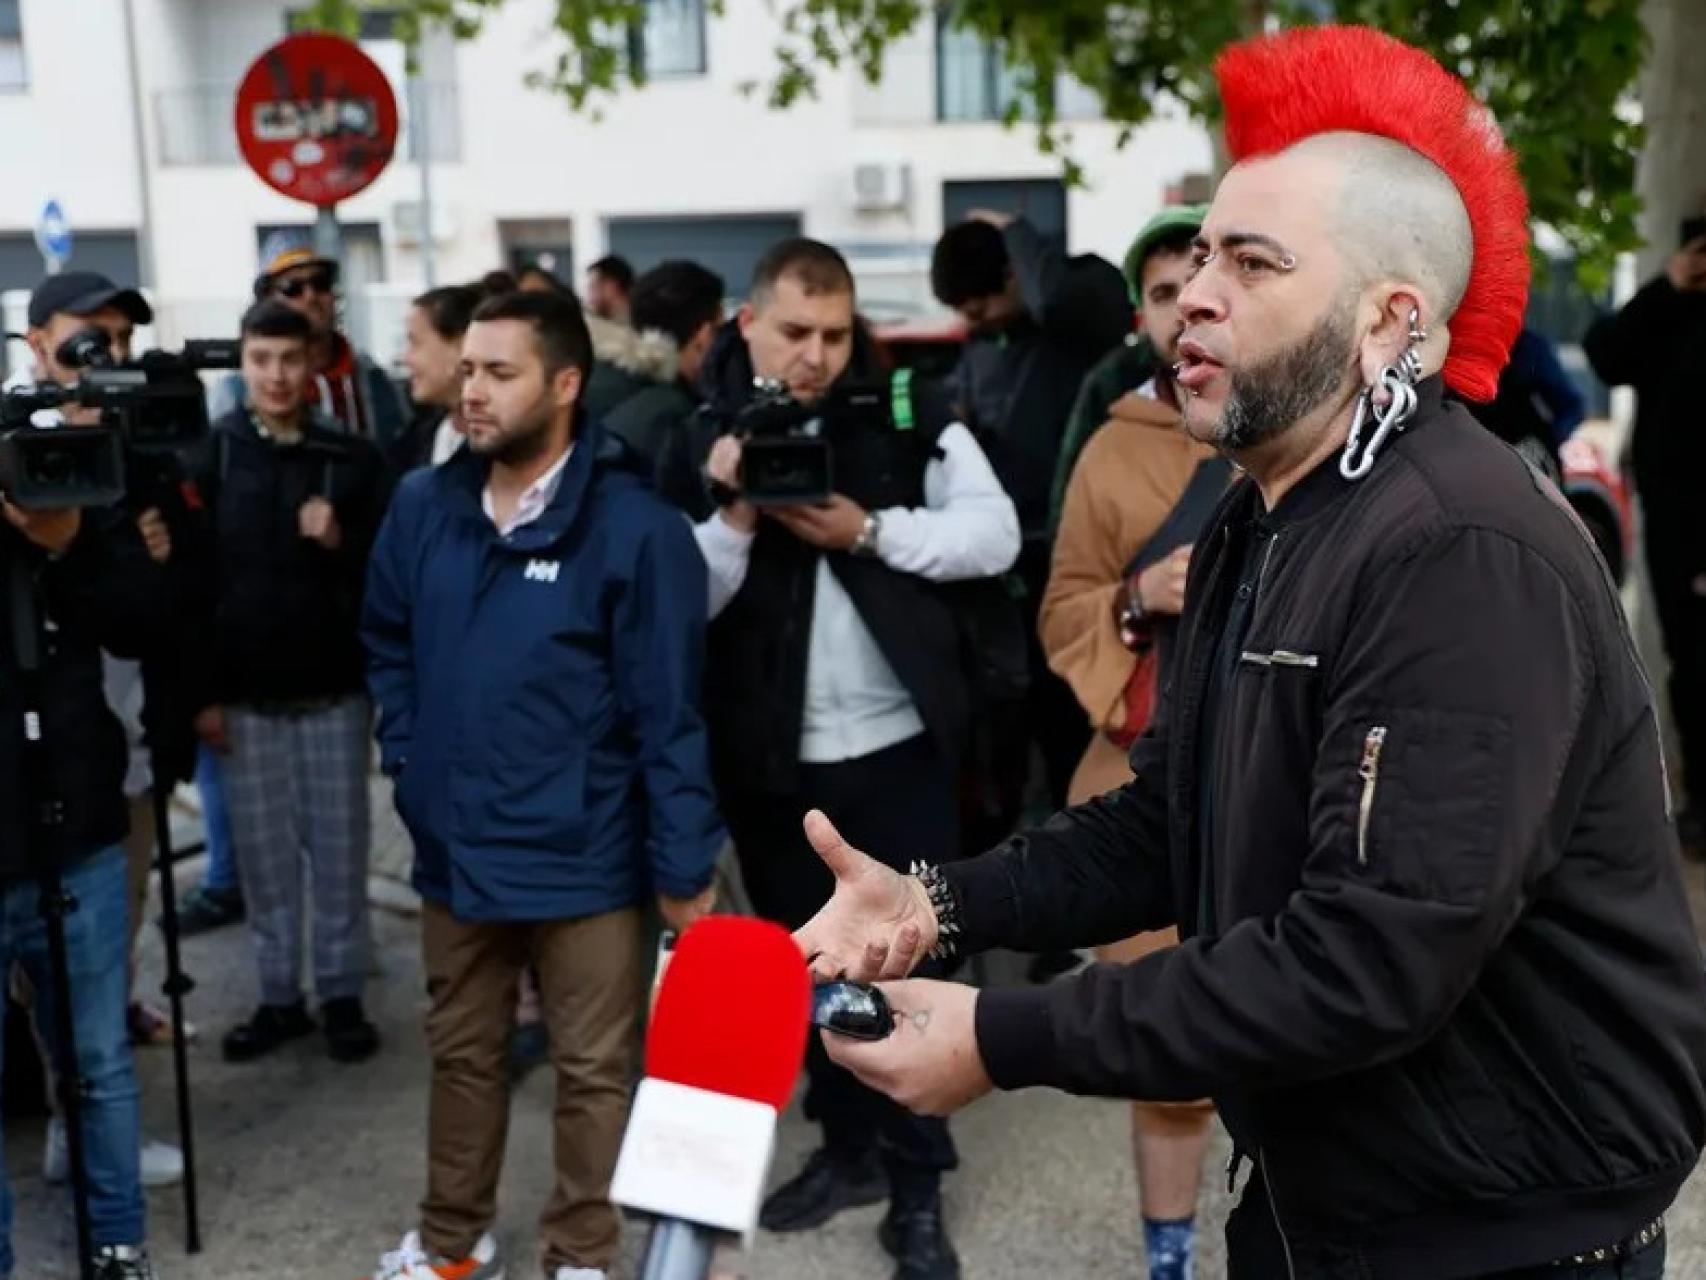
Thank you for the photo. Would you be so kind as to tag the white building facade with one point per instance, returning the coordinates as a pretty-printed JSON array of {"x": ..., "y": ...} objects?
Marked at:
[{"x": 122, "y": 110}]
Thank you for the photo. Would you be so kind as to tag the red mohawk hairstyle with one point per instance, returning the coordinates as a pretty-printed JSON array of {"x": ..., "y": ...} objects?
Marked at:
[{"x": 1278, "y": 90}]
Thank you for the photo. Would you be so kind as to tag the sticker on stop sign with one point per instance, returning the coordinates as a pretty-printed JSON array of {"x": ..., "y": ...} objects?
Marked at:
[{"x": 316, "y": 118}]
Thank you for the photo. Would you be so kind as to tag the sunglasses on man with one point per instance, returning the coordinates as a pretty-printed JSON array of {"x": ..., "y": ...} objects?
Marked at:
[{"x": 319, "y": 281}]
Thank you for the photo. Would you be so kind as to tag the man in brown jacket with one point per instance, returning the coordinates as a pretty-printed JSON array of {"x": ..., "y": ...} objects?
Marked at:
[{"x": 1128, "y": 480}]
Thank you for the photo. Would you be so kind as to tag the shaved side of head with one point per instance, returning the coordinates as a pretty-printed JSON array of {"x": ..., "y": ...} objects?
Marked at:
[{"x": 1400, "y": 217}]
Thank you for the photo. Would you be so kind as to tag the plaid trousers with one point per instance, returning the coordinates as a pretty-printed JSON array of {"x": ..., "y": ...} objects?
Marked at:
[{"x": 296, "y": 785}]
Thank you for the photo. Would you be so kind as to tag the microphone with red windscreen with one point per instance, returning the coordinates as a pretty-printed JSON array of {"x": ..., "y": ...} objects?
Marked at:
[{"x": 727, "y": 1039}]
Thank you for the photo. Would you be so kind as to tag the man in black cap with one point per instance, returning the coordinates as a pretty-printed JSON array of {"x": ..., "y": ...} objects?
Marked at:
[
  {"x": 61, "y": 308},
  {"x": 65, "y": 305},
  {"x": 95, "y": 588}
]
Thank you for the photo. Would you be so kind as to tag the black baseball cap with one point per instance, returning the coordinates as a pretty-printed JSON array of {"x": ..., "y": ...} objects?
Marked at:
[{"x": 82, "y": 293}]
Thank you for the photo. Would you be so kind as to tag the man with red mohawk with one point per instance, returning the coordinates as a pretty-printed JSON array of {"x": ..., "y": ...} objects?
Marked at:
[{"x": 1405, "y": 799}]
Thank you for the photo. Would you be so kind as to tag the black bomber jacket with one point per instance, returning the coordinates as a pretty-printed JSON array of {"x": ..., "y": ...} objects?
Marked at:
[{"x": 1438, "y": 968}]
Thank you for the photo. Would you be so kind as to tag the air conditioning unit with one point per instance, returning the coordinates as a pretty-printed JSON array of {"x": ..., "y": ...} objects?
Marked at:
[
  {"x": 878, "y": 188},
  {"x": 406, "y": 223}
]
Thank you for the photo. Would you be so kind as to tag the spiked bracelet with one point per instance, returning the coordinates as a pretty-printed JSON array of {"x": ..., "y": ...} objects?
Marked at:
[{"x": 946, "y": 907}]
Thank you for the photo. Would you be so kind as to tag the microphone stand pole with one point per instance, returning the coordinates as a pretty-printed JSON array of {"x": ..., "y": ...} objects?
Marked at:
[
  {"x": 177, "y": 985},
  {"x": 677, "y": 1251}
]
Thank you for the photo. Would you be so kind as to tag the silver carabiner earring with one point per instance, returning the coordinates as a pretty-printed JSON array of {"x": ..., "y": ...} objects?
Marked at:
[{"x": 1398, "y": 382}]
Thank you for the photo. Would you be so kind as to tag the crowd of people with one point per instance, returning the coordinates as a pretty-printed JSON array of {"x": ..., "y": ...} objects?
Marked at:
[{"x": 596, "y": 656}]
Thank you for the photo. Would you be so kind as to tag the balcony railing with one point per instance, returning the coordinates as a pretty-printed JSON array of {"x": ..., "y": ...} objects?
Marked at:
[{"x": 196, "y": 128}]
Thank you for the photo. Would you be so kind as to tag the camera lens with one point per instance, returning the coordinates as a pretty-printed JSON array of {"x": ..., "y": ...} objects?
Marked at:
[{"x": 51, "y": 467}]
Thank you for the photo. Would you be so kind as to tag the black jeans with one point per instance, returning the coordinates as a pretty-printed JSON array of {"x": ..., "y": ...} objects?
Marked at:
[
  {"x": 1056, "y": 722},
  {"x": 1256, "y": 1251},
  {"x": 896, "y": 805}
]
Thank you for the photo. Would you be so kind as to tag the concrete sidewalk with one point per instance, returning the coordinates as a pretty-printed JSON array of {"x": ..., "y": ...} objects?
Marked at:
[{"x": 309, "y": 1169}]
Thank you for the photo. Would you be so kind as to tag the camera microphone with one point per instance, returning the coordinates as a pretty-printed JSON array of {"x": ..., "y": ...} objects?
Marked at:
[{"x": 726, "y": 1044}]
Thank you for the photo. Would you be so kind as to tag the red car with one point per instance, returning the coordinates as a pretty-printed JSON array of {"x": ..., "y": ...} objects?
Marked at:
[{"x": 1598, "y": 490}]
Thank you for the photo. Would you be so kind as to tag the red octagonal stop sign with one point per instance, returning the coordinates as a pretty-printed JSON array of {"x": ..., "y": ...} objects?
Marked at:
[{"x": 316, "y": 118}]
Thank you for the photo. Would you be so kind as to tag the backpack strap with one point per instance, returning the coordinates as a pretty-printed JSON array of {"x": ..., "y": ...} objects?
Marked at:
[
  {"x": 918, "y": 409},
  {"x": 1184, "y": 523},
  {"x": 900, "y": 400}
]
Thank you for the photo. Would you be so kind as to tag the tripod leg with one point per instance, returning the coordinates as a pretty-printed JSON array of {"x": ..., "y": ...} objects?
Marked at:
[
  {"x": 56, "y": 904},
  {"x": 178, "y": 985}
]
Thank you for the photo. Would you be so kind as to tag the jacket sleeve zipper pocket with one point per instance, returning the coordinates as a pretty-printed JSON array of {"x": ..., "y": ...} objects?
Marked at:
[{"x": 1369, "y": 772}]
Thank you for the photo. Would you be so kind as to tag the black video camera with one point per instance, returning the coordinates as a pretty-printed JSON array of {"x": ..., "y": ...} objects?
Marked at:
[
  {"x": 786, "y": 458},
  {"x": 158, "y": 400},
  {"x": 150, "y": 408},
  {"x": 47, "y": 468}
]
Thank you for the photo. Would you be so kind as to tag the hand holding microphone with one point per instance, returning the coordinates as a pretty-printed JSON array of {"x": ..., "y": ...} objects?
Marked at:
[{"x": 880, "y": 924}]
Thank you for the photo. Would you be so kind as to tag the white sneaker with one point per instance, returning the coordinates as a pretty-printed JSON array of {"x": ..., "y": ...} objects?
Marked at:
[
  {"x": 580, "y": 1273},
  {"x": 162, "y": 1164},
  {"x": 410, "y": 1262}
]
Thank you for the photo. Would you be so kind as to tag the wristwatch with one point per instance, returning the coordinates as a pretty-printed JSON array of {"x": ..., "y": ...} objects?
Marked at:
[
  {"x": 866, "y": 543},
  {"x": 1133, "y": 622}
]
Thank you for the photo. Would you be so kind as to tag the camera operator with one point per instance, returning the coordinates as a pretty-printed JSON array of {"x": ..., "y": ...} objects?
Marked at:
[
  {"x": 87, "y": 306},
  {"x": 835, "y": 679},
  {"x": 95, "y": 587},
  {"x": 296, "y": 503}
]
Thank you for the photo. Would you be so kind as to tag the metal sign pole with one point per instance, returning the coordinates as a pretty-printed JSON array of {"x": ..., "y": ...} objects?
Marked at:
[
  {"x": 421, "y": 129},
  {"x": 328, "y": 236}
]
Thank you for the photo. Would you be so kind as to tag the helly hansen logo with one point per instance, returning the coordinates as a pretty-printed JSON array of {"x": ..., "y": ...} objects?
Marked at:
[{"x": 542, "y": 570}]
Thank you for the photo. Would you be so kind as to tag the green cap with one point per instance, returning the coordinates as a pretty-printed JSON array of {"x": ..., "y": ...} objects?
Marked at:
[{"x": 1177, "y": 217}]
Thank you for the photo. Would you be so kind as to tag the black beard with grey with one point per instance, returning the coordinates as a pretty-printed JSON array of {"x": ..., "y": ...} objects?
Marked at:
[{"x": 1268, "y": 398}]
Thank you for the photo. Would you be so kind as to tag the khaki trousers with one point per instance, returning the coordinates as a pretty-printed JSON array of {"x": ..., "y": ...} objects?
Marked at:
[{"x": 591, "y": 997}]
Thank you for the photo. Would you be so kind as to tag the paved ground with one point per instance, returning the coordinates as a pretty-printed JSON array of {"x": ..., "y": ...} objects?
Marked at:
[{"x": 310, "y": 1169}]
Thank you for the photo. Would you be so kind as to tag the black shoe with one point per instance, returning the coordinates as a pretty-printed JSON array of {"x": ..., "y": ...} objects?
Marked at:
[
  {"x": 350, "y": 1037},
  {"x": 121, "y": 1262},
  {"x": 272, "y": 1025},
  {"x": 828, "y": 1184},
  {"x": 917, "y": 1239},
  {"x": 204, "y": 910}
]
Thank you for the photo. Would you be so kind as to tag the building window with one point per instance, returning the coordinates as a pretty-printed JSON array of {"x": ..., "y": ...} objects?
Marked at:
[
  {"x": 376, "y": 24},
  {"x": 14, "y": 72},
  {"x": 973, "y": 80},
  {"x": 671, "y": 40}
]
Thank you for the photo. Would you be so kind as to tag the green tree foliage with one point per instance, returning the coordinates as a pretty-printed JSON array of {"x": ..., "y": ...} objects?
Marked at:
[{"x": 1558, "y": 74}]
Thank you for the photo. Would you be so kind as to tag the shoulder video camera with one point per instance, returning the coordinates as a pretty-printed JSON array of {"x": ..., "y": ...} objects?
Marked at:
[
  {"x": 151, "y": 406},
  {"x": 786, "y": 453}
]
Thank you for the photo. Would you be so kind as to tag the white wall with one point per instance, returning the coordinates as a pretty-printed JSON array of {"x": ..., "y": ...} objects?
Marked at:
[
  {"x": 69, "y": 135},
  {"x": 690, "y": 146}
]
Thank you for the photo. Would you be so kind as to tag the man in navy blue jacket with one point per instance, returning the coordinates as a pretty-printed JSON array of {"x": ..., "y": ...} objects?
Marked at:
[{"x": 535, "y": 624}]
